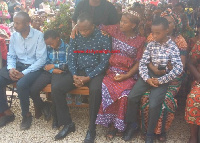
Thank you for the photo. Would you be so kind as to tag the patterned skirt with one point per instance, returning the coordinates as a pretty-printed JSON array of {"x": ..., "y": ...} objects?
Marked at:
[
  {"x": 167, "y": 111},
  {"x": 192, "y": 109},
  {"x": 114, "y": 101}
]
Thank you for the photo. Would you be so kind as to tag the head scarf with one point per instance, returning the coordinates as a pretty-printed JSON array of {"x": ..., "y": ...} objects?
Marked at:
[{"x": 177, "y": 20}]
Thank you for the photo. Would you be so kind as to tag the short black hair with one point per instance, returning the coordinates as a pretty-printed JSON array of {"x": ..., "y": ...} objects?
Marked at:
[
  {"x": 161, "y": 21},
  {"x": 24, "y": 15},
  {"x": 51, "y": 34},
  {"x": 85, "y": 16}
]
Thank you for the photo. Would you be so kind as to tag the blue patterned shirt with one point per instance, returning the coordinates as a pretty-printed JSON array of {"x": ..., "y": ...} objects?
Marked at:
[
  {"x": 160, "y": 55},
  {"x": 92, "y": 63},
  {"x": 58, "y": 57}
]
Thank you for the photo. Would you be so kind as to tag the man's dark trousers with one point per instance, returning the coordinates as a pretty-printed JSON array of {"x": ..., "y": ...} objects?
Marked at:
[
  {"x": 156, "y": 98},
  {"x": 23, "y": 89},
  {"x": 64, "y": 84}
]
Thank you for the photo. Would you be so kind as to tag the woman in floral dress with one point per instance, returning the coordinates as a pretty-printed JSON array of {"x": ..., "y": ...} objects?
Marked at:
[
  {"x": 192, "y": 109},
  {"x": 121, "y": 74}
]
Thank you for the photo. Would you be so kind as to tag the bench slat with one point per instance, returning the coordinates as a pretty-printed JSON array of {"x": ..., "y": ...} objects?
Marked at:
[{"x": 81, "y": 90}]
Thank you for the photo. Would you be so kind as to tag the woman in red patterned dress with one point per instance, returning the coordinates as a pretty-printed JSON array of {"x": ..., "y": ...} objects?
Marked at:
[
  {"x": 192, "y": 109},
  {"x": 121, "y": 74}
]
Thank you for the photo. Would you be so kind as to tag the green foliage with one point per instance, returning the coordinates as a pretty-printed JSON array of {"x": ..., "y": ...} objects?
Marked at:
[{"x": 61, "y": 22}]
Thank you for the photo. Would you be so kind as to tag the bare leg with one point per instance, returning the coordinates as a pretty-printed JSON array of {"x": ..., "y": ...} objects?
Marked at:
[{"x": 193, "y": 133}]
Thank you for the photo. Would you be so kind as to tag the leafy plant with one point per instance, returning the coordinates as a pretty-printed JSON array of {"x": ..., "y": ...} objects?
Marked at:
[{"x": 61, "y": 22}]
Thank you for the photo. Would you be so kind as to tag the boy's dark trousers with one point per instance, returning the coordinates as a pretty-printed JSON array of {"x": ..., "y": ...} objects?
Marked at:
[{"x": 156, "y": 98}]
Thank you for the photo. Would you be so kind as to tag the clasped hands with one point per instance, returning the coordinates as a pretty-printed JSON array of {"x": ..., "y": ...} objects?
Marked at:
[
  {"x": 153, "y": 82},
  {"x": 51, "y": 66},
  {"x": 80, "y": 80},
  {"x": 15, "y": 74}
]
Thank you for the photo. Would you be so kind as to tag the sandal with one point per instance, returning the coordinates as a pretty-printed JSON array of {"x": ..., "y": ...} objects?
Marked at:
[
  {"x": 111, "y": 134},
  {"x": 162, "y": 137}
]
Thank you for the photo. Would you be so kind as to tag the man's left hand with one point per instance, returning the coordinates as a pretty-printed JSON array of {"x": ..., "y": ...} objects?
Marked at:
[
  {"x": 19, "y": 75},
  {"x": 81, "y": 80},
  {"x": 84, "y": 79}
]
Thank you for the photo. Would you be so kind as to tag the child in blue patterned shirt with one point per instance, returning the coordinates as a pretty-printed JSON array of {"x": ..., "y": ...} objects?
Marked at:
[{"x": 56, "y": 64}]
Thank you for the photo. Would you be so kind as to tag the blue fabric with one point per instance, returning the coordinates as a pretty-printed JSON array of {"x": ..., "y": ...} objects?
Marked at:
[
  {"x": 31, "y": 50},
  {"x": 92, "y": 63}
]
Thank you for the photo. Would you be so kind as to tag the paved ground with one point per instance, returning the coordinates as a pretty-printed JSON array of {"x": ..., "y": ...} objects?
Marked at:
[{"x": 41, "y": 132}]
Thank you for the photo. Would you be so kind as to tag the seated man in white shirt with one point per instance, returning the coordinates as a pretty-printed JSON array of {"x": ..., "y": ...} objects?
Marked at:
[{"x": 27, "y": 55}]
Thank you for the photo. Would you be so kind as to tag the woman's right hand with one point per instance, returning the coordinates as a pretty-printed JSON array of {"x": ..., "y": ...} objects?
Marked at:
[
  {"x": 155, "y": 70},
  {"x": 105, "y": 33},
  {"x": 74, "y": 32}
]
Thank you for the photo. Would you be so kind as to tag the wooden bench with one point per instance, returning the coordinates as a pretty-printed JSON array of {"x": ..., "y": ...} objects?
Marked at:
[{"x": 81, "y": 90}]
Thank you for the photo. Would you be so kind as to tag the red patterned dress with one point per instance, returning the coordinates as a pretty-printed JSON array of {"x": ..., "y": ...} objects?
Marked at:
[
  {"x": 192, "y": 109},
  {"x": 114, "y": 93}
]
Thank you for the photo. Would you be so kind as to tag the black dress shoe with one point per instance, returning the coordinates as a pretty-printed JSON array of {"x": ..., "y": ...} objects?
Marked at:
[
  {"x": 65, "y": 131},
  {"x": 90, "y": 137},
  {"x": 129, "y": 133},
  {"x": 6, "y": 119},
  {"x": 26, "y": 123},
  {"x": 46, "y": 111},
  {"x": 149, "y": 139}
]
